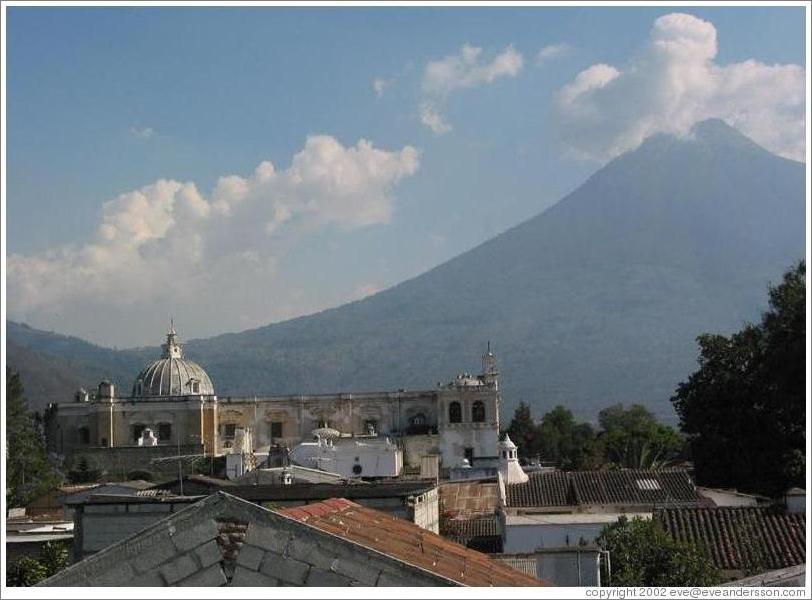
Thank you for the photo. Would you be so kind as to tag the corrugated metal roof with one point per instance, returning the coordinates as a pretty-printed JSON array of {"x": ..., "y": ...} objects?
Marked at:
[
  {"x": 614, "y": 487},
  {"x": 523, "y": 564},
  {"x": 468, "y": 498},
  {"x": 409, "y": 543},
  {"x": 737, "y": 538}
]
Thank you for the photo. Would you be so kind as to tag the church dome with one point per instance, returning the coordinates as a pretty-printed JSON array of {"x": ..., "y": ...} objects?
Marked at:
[{"x": 172, "y": 375}]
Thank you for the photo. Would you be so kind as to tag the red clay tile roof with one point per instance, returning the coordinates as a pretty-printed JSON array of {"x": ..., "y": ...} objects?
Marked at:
[
  {"x": 541, "y": 489},
  {"x": 737, "y": 538},
  {"x": 478, "y": 526},
  {"x": 621, "y": 486},
  {"x": 408, "y": 542},
  {"x": 481, "y": 533}
]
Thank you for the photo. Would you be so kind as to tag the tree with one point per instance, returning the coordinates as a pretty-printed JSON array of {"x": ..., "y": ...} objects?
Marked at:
[
  {"x": 633, "y": 438},
  {"x": 744, "y": 408},
  {"x": 83, "y": 473},
  {"x": 28, "y": 472},
  {"x": 630, "y": 438},
  {"x": 565, "y": 441},
  {"x": 524, "y": 431},
  {"x": 643, "y": 554},
  {"x": 27, "y": 571}
]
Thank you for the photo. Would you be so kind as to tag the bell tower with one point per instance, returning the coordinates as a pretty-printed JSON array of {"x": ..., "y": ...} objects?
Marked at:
[{"x": 490, "y": 373}]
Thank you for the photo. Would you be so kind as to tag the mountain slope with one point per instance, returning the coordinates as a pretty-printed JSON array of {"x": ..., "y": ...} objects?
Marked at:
[
  {"x": 52, "y": 366},
  {"x": 597, "y": 300}
]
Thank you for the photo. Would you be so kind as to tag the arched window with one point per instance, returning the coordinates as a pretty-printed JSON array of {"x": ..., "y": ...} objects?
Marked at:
[
  {"x": 418, "y": 419},
  {"x": 478, "y": 412},
  {"x": 454, "y": 412},
  {"x": 164, "y": 432},
  {"x": 418, "y": 424}
]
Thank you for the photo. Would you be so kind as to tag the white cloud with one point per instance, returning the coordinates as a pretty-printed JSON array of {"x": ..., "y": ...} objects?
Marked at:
[
  {"x": 167, "y": 244},
  {"x": 551, "y": 52},
  {"x": 142, "y": 133},
  {"x": 594, "y": 78},
  {"x": 380, "y": 84},
  {"x": 433, "y": 118},
  {"x": 460, "y": 71},
  {"x": 673, "y": 83}
]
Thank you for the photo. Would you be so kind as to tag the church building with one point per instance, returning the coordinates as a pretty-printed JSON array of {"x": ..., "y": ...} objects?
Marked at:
[{"x": 173, "y": 408}]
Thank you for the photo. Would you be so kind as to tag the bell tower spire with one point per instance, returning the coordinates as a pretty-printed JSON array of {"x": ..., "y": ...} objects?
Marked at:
[{"x": 490, "y": 372}]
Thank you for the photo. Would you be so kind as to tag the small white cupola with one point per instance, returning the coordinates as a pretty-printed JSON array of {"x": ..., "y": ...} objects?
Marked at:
[{"x": 509, "y": 467}]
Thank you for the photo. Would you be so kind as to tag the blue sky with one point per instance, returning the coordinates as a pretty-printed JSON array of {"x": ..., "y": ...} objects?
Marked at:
[{"x": 103, "y": 102}]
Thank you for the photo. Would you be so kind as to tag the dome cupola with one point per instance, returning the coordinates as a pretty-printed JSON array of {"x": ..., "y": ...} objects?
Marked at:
[
  {"x": 509, "y": 468},
  {"x": 172, "y": 375}
]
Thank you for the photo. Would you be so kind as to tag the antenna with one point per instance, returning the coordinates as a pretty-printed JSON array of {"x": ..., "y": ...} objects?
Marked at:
[{"x": 180, "y": 468}]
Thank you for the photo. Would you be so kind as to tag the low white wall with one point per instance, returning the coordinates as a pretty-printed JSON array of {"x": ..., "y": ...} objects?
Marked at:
[
  {"x": 528, "y": 538},
  {"x": 528, "y": 533}
]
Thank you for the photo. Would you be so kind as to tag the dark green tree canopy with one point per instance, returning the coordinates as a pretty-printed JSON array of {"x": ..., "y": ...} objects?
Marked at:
[
  {"x": 744, "y": 408},
  {"x": 28, "y": 471},
  {"x": 633, "y": 438},
  {"x": 627, "y": 437},
  {"x": 643, "y": 554},
  {"x": 524, "y": 431},
  {"x": 27, "y": 571},
  {"x": 565, "y": 441}
]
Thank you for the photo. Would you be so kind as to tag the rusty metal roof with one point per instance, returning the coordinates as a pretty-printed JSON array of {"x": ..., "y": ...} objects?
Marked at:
[
  {"x": 468, "y": 499},
  {"x": 408, "y": 542}
]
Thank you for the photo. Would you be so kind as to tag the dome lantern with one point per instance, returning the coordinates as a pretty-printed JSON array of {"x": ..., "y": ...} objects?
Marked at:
[{"x": 172, "y": 348}]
